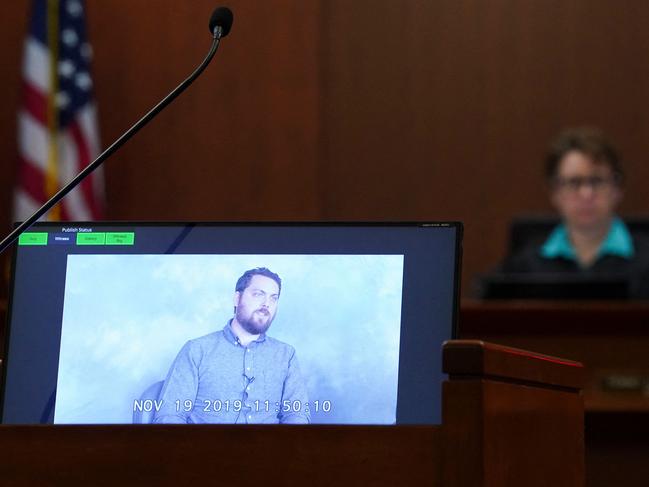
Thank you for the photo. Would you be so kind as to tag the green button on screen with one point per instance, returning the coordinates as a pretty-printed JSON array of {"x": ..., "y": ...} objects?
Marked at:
[
  {"x": 91, "y": 238},
  {"x": 124, "y": 238},
  {"x": 33, "y": 238}
]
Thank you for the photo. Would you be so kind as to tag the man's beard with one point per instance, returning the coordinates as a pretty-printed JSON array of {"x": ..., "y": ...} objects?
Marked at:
[{"x": 253, "y": 325}]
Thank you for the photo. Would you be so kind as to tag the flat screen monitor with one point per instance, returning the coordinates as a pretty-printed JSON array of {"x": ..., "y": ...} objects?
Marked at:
[{"x": 115, "y": 323}]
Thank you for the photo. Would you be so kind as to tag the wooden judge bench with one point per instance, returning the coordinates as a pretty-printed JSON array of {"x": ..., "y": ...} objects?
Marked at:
[
  {"x": 612, "y": 340},
  {"x": 510, "y": 418}
]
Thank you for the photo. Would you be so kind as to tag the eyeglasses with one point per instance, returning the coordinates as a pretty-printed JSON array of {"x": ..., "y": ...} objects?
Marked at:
[{"x": 574, "y": 185}]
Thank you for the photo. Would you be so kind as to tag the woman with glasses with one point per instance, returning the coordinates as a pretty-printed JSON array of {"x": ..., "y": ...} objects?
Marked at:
[{"x": 585, "y": 177}]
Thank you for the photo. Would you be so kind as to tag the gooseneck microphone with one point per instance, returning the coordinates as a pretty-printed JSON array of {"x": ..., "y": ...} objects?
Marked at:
[
  {"x": 221, "y": 22},
  {"x": 220, "y": 25}
]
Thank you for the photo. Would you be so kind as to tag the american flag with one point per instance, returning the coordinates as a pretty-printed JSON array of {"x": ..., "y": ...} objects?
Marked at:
[{"x": 57, "y": 123}]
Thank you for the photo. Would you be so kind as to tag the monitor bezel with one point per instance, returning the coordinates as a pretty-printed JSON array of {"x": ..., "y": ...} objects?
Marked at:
[{"x": 458, "y": 226}]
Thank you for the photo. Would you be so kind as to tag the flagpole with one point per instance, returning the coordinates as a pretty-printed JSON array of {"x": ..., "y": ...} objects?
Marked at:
[{"x": 52, "y": 173}]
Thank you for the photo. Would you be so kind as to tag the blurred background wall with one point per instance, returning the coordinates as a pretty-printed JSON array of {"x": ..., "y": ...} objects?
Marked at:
[{"x": 354, "y": 110}]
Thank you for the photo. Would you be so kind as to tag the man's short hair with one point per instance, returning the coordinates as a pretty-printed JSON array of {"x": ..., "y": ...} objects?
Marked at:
[
  {"x": 244, "y": 281},
  {"x": 587, "y": 140}
]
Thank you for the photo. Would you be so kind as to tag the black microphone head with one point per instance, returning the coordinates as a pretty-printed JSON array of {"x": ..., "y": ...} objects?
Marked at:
[{"x": 222, "y": 17}]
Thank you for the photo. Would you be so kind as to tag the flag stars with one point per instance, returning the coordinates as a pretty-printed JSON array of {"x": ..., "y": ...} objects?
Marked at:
[
  {"x": 69, "y": 37},
  {"x": 75, "y": 8},
  {"x": 83, "y": 81},
  {"x": 66, "y": 68}
]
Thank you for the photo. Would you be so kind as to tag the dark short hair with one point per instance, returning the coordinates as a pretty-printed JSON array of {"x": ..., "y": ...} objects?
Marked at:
[
  {"x": 244, "y": 281},
  {"x": 587, "y": 140}
]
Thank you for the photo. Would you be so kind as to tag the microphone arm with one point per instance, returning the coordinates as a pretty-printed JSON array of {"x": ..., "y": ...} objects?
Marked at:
[{"x": 9, "y": 239}]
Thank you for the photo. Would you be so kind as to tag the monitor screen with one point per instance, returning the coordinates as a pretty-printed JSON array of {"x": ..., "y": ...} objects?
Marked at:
[{"x": 116, "y": 323}]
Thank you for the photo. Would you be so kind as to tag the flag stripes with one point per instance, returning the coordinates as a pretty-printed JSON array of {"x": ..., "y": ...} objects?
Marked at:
[{"x": 57, "y": 123}]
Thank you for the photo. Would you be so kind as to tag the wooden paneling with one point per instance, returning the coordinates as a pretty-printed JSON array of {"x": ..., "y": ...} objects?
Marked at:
[
  {"x": 14, "y": 20},
  {"x": 331, "y": 109},
  {"x": 171, "y": 455},
  {"x": 241, "y": 143},
  {"x": 442, "y": 109}
]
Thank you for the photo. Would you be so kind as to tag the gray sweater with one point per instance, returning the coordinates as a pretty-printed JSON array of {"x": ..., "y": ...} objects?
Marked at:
[{"x": 215, "y": 379}]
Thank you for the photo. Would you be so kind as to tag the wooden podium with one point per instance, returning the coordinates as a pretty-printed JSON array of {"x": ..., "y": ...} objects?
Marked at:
[
  {"x": 510, "y": 418},
  {"x": 611, "y": 338}
]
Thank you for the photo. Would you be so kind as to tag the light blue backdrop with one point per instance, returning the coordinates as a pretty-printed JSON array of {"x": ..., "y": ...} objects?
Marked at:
[{"x": 126, "y": 317}]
